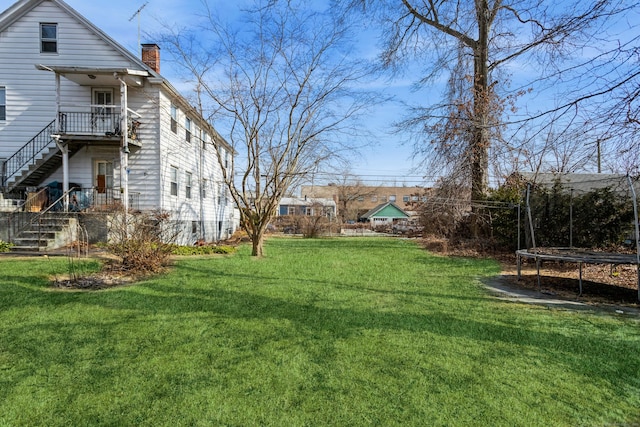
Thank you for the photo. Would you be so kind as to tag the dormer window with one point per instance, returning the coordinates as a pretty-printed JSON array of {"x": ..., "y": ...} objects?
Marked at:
[{"x": 49, "y": 38}]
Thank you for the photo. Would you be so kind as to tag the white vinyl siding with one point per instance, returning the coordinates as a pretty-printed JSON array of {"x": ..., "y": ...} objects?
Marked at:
[{"x": 155, "y": 170}]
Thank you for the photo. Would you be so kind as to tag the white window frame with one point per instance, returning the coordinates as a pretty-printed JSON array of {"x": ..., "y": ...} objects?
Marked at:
[
  {"x": 3, "y": 103},
  {"x": 205, "y": 140},
  {"x": 187, "y": 129},
  {"x": 188, "y": 183},
  {"x": 174, "y": 118},
  {"x": 173, "y": 181},
  {"x": 103, "y": 168},
  {"x": 48, "y": 41}
]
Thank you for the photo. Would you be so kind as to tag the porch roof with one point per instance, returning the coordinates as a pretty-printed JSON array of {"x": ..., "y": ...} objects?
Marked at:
[{"x": 91, "y": 76}]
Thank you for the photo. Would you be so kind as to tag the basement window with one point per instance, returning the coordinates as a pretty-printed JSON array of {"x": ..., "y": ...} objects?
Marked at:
[{"x": 49, "y": 38}]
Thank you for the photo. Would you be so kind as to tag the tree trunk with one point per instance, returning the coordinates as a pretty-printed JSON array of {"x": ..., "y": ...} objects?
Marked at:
[
  {"x": 257, "y": 241},
  {"x": 479, "y": 149},
  {"x": 481, "y": 102}
]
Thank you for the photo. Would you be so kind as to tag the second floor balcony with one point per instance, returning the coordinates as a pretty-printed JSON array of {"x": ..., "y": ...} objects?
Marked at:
[{"x": 103, "y": 123}]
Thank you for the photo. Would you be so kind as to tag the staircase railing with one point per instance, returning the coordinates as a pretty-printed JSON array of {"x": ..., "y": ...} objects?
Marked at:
[{"x": 28, "y": 152}]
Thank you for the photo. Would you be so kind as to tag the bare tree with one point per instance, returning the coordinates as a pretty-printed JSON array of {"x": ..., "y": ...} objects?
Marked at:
[
  {"x": 475, "y": 41},
  {"x": 349, "y": 189},
  {"x": 285, "y": 86}
]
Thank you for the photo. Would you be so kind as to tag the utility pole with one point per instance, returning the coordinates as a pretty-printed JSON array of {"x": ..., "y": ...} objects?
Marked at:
[{"x": 137, "y": 13}]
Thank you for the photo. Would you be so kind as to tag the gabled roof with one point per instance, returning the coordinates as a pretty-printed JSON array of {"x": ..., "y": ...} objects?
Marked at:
[
  {"x": 386, "y": 210},
  {"x": 22, "y": 7}
]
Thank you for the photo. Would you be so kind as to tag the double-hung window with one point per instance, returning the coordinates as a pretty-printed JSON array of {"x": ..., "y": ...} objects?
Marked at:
[
  {"x": 173, "y": 179},
  {"x": 187, "y": 129},
  {"x": 48, "y": 38},
  {"x": 187, "y": 184},
  {"x": 174, "y": 119},
  {"x": 3, "y": 103}
]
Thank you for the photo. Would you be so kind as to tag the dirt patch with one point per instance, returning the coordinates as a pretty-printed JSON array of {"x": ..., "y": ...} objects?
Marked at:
[
  {"x": 112, "y": 275},
  {"x": 601, "y": 283}
]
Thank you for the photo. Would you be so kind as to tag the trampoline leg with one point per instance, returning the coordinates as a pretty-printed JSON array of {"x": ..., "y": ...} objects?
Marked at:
[
  {"x": 580, "y": 280},
  {"x": 518, "y": 264},
  {"x": 538, "y": 270}
]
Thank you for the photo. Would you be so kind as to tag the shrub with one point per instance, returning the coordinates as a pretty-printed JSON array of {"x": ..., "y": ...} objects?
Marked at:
[
  {"x": 5, "y": 246},
  {"x": 142, "y": 240},
  {"x": 202, "y": 250}
]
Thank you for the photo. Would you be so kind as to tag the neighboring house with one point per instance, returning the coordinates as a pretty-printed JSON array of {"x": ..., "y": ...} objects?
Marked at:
[
  {"x": 385, "y": 214},
  {"x": 294, "y": 206},
  {"x": 354, "y": 200},
  {"x": 79, "y": 110}
]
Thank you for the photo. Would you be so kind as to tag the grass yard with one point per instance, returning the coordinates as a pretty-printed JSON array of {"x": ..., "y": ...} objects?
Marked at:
[{"x": 324, "y": 332}]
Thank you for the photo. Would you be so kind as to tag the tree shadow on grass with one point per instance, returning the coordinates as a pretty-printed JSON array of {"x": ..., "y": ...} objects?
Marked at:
[{"x": 309, "y": 316}]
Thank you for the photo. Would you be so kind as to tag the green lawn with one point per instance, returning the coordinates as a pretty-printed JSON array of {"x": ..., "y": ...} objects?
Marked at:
[{"x": 320, "y": 332}]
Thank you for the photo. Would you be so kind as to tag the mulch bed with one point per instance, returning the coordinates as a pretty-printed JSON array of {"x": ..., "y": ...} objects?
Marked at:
[
  {"x": 111, "y": 275},
  {"x": 601, "y": 283}
]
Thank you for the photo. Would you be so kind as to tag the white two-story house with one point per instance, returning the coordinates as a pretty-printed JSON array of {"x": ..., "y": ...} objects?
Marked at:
[{"x": 84, "y": 116}]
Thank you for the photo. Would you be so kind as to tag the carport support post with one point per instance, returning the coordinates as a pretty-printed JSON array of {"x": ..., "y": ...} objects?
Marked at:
[{"x": 635, "y": 219}]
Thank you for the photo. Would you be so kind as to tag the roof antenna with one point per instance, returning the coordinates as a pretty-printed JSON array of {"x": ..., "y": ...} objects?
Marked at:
[{"x": 137, "y": 13}]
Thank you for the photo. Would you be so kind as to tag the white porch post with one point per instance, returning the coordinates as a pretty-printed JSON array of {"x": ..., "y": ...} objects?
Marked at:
[
  {"x": 63, "y": 149},
  {"x": 124, "y": 152}
]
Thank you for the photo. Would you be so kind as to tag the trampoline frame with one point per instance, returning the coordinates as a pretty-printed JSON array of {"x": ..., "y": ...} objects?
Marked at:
[{"x": 580, "y": 256}]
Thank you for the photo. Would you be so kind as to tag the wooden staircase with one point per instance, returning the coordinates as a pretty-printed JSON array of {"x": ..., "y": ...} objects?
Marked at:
[
  {"x": 50, "y": 231},
  {"x": 41, "y": 167}
]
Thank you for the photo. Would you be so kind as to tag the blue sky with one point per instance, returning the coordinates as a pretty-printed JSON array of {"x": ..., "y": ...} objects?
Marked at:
[{"x": 386, "y": 160}]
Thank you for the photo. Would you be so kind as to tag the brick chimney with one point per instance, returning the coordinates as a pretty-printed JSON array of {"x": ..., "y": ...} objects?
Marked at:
[{"x": 151, "y": 56}]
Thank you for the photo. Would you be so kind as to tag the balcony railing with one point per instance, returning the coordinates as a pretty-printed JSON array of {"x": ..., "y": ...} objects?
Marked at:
[
  {"x": 80, "y": 200},
  {"x": 104, "y": 122}
]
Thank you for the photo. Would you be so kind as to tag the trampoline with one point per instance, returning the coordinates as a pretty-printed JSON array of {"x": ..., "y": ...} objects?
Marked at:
[{"x": 578, "y": 256}]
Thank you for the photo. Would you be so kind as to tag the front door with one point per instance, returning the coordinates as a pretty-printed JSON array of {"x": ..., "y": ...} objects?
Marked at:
[{"x": 103, "y": 119}]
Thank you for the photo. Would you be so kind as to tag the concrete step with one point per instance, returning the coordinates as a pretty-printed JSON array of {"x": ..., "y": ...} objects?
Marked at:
[{"x": 20, "y": 249}]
